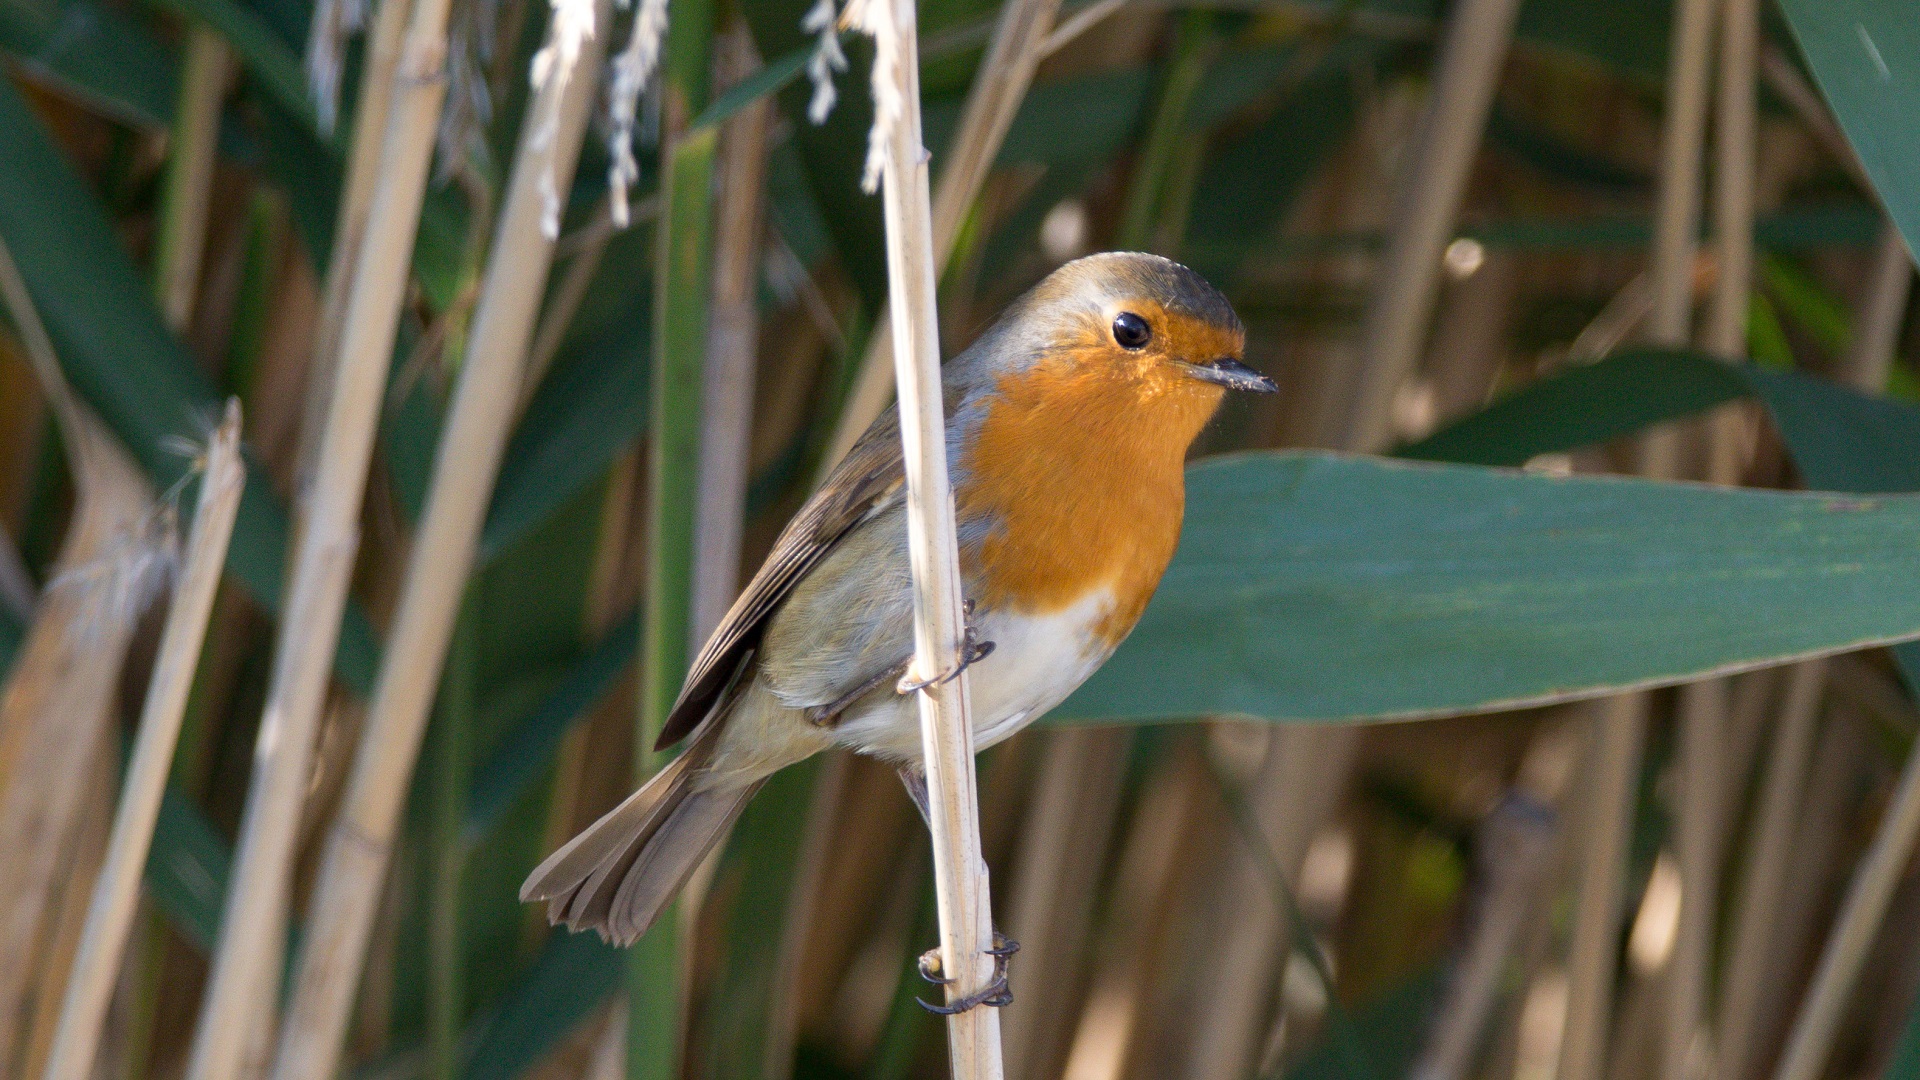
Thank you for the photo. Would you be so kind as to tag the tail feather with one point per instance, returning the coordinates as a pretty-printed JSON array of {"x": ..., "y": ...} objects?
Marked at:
[{"x": 621, "y": 871}]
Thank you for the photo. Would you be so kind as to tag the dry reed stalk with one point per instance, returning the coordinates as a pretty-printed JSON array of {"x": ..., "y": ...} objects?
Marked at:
[
  {"x": 116, "y": 892},
  {"x": 1144, "y": 887},
  {"x": 1437, "y": 166},
  {"x": 733, "y": 334},
  {"x": 946, "y": 724},
  {"x": 1470, "y": 342},
  {"x": 1876, "y": 328},
  {"x": 473, "y": 440},
  {"x": 88, "y": 848},
  {"x": 251, "y": 944},
  {"x": 189, "y": 187},
  {"x": 1292, "y": 797},
  {"x": 1762, "y": 882},
  {"x": 796, "y": 923},
  {"x": 1019, "y": 36},
  {"x": 57, "y": 705},
  {"x": 1082, "y": 21},
  {"x": 1514, "y": 849},
  {"x": 364, "y": 154},
  {"x": 1056, "y": 876},
  {"x": 1614, "y": 766}
]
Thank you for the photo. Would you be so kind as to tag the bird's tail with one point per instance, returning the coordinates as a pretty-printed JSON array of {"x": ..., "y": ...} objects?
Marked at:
[{"x": 617, "y": 875}]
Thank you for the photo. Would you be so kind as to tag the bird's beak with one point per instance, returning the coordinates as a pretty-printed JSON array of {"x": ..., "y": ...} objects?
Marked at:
[{"x": 1233, "y": 375}]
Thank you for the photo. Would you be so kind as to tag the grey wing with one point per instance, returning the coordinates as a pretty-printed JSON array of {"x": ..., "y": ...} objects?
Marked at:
[{"x": 860, "y": 489}]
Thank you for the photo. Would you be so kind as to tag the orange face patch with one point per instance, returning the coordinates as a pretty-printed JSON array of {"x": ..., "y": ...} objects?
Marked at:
[{"x": 1079, "y": 461}]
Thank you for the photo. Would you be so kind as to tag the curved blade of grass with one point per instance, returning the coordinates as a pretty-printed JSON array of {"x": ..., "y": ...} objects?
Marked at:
[
  {"x": 1317, "y": 587},
  {"x": 1865, "y": 54}
]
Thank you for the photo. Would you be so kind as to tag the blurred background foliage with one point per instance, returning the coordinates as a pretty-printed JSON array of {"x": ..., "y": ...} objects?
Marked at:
[{"x": 1201, "y": 896}]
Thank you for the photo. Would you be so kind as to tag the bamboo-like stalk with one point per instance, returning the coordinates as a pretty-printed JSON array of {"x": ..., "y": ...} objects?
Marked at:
[
  {"x": 372, "y": 107},
  {"x": 57, "y": 701},
  {"x": 117, "y": 889},
  {"x": 249, "y": 955},
  {"x": 732, "y": 340},
  {"x": 1019, "y": 41},
  {"x": 1677, "y": 203},
  {"x": 1761, "y": 884},
  {"x": 1876, "y": 328},
  {"x": 1845, "y": 953},
  {"x": 946, "y": 726},
  {"x": 1438, "y": 165},
  {"x": 1063, "y": 847},
  {"x": 189, "y": 186},
  {"x": 359, "y": 842},
  {"x": 1619, "y": 729}
]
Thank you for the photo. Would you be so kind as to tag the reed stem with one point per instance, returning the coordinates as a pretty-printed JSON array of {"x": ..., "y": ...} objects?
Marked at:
[
  {"x": 247, "y": 961},
  {"x": 189, "y": 186},
  {"x": 359, "y": 842},
  {"x": 116, "y": 891},
  {"x": 946, "y": 725}
]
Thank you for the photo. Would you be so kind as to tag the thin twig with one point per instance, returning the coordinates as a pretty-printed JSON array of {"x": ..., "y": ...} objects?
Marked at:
[
  {"x": 116, "y": 891},
  {"x": 189, "y": 186},
  {"x": 358, "y": 844}
]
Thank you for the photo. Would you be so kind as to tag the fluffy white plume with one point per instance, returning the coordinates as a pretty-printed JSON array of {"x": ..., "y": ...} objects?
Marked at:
[
  {"x": 573, "y": 26},
  {"x": 822, "y": 23},
  {"x": 632, "y": 69}
]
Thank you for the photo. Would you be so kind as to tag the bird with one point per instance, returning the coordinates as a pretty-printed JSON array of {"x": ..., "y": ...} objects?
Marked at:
[{"x": 1069, "y": 421}]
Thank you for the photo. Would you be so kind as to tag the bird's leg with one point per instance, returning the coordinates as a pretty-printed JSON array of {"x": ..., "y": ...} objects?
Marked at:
[
  {"x": 996, "y": 993},
  {"x": 972, "y": 650},
  {"x": 828, "y": 715}
]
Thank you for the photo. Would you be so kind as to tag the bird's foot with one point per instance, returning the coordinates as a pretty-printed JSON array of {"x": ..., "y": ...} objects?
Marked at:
[
  {"x": 972, "y": 650},
  {"x": 995, "y": 994},
  {"x": 828, "y": 715}
]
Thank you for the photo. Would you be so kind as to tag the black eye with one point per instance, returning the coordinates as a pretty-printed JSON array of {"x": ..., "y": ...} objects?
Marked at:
[{"x": 1131, "y": 331}]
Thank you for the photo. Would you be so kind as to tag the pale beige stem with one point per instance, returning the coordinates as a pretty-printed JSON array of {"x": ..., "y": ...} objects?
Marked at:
[
  {"x": 1619, "y": 729},
  {"x": 1762, "y": 882},
  {"x": 57, "y": 704},
  {"x": 1434, "y": 182},
  {"x": 1685, "y": 1051},
  {"x": 116, "y": 891},
  {"x": 946, "y": 724},
  {"x": 1299, "y": 784},
  {"x": 360, "y": 840},
  {"x": 1868, "y": 895},
  {"x": 998, "y": 88},
  {"x": 251, "y": 929},
  {"x": 189, "y": 187},
  {"x": 733, "y": 337},
  {"x": 1876, "y": 326},
  {"x": 364, "y": 153},
  {"x": 1056, "y": 877},
  {"x": 1677, "y": 203}
]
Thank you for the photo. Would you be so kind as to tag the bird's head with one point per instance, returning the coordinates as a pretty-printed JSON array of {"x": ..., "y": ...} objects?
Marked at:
[{"x": 1147, "y": 322}]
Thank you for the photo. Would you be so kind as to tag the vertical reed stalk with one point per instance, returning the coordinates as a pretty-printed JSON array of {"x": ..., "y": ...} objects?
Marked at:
[
  {"x": 1160, "y": 154},
  {"x": 1687, "y": 1051},
  {"x": 116, "y": 892},
  {"x": 732, "y": 342},
  {"x": 1018, "y": 45},
  {"x": 1762, "y": 884},
  {"x": 1437, "y": 167},
  {"x": 655, "y": 988},
  {"x": 364, "y": 153},
  {"x": 360, "y": 840},
  {"x": 946, "y": 726},
  {"x": 1876, "y": 329},
  {"x": 57, "y": 701},
  {"x": 189, "y": 184},
  {"x": 249, "y": 954}
]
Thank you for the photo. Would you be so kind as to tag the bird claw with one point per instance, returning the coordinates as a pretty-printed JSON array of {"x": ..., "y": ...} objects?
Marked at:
[
  {"x": 996, "y": 994},
  {"x": 972, "y": 651}
]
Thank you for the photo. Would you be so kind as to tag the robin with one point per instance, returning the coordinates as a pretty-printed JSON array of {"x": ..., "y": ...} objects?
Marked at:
[{"x": 1068, "y": 424}]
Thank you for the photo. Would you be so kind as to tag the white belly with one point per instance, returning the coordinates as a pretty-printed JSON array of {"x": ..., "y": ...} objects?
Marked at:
[{"x": 1037, "y": 660}]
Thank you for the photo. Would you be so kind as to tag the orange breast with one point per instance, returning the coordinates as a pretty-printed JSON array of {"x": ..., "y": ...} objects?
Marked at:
[{"x": 1081, "y": 469}]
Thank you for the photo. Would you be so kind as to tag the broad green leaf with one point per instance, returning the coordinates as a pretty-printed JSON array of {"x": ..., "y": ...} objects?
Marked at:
[
  {"x": 1583, "y": 406},
  {"x": 95, "y": 52},
  {"x": 187, "y": 869},
  {"x": 1865, "y": 54},
  {"x": 1316, "y": 587}
]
